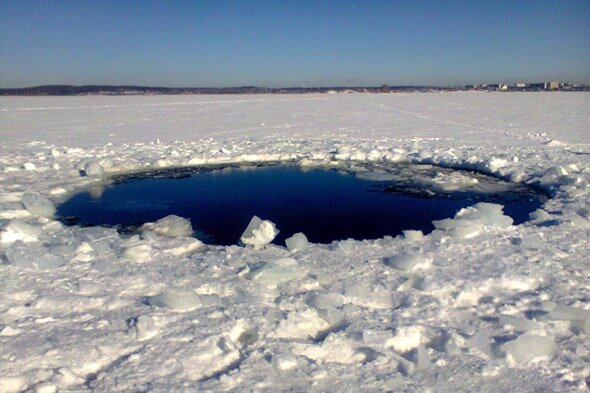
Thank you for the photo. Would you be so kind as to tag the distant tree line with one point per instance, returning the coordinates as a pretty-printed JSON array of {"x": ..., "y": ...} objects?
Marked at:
[{"x": 70, "y": 90}]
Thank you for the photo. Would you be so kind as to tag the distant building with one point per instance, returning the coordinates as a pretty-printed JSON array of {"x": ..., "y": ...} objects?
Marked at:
[
  {"x": 520, "y": 85},
  {"x": 553, "y": 85},
  {"x": 503, "y": 87}
]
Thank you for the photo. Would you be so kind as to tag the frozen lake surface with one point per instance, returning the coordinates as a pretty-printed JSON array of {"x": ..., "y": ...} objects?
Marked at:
[
  {"x": 478, "y": 304},
  {"x": 324, "y": 204}
]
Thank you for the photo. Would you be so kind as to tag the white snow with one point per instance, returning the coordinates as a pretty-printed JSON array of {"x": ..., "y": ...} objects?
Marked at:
[{"x": 479, "y": 304}]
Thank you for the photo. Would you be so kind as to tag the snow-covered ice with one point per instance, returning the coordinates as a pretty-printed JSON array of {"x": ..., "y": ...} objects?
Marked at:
[{"x": 479, "y": 304}]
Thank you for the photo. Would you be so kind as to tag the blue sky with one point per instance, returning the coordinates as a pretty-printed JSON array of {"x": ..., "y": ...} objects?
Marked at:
[{"x": 292, "y": 43}]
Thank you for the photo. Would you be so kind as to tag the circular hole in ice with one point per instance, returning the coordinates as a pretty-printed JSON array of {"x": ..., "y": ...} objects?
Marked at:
[{"x": 325, "y": 204}]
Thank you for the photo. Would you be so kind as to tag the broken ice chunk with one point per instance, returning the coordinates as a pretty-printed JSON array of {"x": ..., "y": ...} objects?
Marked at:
[
  {"x": 470, "y": 221},
  {"x": 377, "y": 339},
  {"x": 259, "y": 233},
  {"x": 284, "y": 361},
  {"x": 406, "y": 338},
  {"x": 404, "y": 261},
  {"x": 279, "y": 271},
  {"x": 170, "y": 226},
  {"x": 297, "y": 242},
  {"x": 518, "y": 323},
  {"x": 529, "y": 348},
  {"x": 177, "y": 300},
  {"x": 94, "y": 169},
  {"x": 413, "y": 235},
  {"x": 325, "y": 300},
  {"x": 20, "y": 230},
  {"x": 145, "y": 328},
  {"x": 568, "y": 313},
  {"x": 38, "y": 205},
  {"x": 36, "y": 258},
  {"x": 539, "y": 215},
  {"x": 138, "y": 253}
]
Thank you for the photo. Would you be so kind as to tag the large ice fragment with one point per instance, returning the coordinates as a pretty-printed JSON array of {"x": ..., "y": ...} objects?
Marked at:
[
  {"x": 38, "y": 205},
  {"x": 529, "y": 348},
  {"x": 19, "y": 230},
  {"x": 35, "y": 258},
  {"x": 259, "y": 233},
  {"x": 568, "y": 313},
  {"x": 279, "y": 271},
  {"x": 297, "y": 242},
  {"x": 170, "y": 226},
  {"x": 94, "y": 169},
  {"x": 471, "y": 221},
  {"x": 177, "y": 300}
]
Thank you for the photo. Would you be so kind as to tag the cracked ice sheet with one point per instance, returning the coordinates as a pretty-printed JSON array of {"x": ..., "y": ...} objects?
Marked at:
[{"x": 346, "y": 320}]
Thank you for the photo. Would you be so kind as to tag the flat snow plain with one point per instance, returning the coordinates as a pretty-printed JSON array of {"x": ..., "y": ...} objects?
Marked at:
[{"x": 478, "y": 305}]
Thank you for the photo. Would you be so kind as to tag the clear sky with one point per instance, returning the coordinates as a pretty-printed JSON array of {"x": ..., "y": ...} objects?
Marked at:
[{"x": 292, "y": 43}]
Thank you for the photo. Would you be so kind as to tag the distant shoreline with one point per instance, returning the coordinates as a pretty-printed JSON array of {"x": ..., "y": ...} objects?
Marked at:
[{"x": 109, "y": 90}]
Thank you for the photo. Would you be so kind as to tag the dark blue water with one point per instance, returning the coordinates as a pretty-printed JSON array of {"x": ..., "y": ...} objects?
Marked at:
[{"x": 326, "y": 205}]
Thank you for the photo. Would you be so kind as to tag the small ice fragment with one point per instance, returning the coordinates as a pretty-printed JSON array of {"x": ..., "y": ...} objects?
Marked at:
[
  {"x": 377, "y": 338},
  {"x": 180, "y": 246},
  {"x": 556, "y": 174},
  {"x": 94, "y": 169},
  {"x": 9, "y": 331},
  {"x": 324, "y": 301},
  {"x": 376, "y": 176},
  {"x": 273, "y": 273},
  {"x": 145, "y": 327},
  {"x": 20, "y": 230},
  {"x": 177, "y": 300},
  {"x": 138, "y": 253},
  {"x": 170, "y": 226},
  {"x": 38, "y": 205},
  {"x": 284, "y": 361},
  {"x": 406, "y": 339},
  {"x": 45, "y": 387},
  {"x": 12, "y": 384},
  {"x": 259, "y": 233},
  {"x": 528, "y": 348},
  {"x": 29, "y": 166},
  {"x": 518, "y": 323},
  {"x": 297, "y": 242},
  {"x": 422, "y": 358},
  {"x": 404, "y": 261},
  {"x": 413, "y": 235},
  {"x": 539, "y": 215},
  {"x": 496, "y": 163}
]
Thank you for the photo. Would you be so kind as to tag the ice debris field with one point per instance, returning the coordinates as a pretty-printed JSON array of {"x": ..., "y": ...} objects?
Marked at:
[{"x": 479, "y": 304}]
